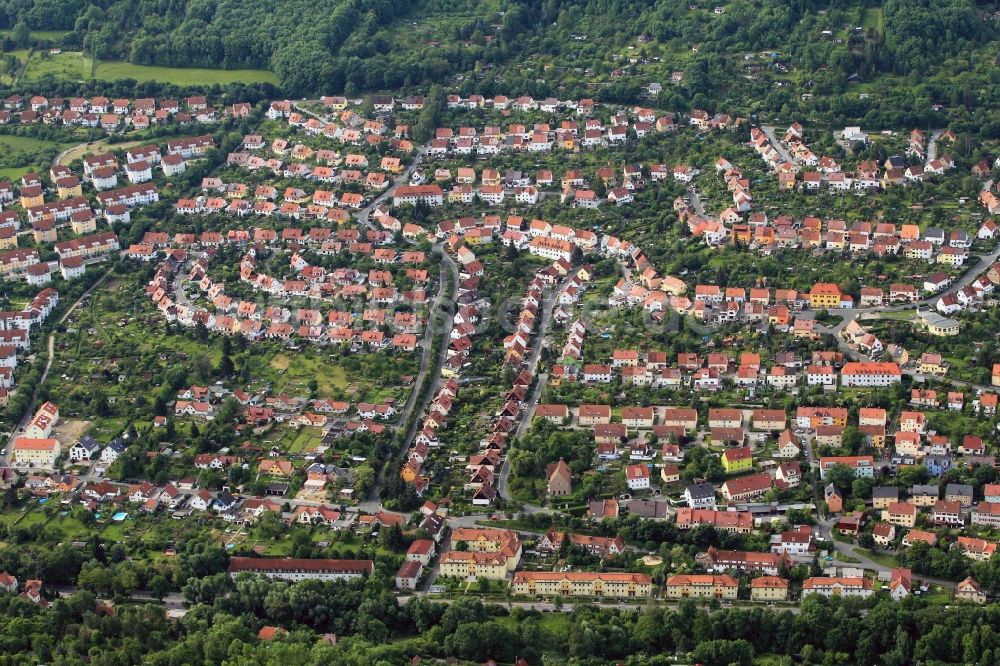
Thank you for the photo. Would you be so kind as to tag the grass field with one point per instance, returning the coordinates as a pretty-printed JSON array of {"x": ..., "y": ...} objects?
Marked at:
[
  {"x": 40, "y": 34},
  {"x": 287, "y": 375},
  {"x": 13, "y": 173},
  {"x": 306, "y": 440},
  {"x": 113, "y": 71},
  {"x": 20, "y": 149},
  {"x": 67, "y": 66},
  {"x": 94, "y": 148},
  {"x": 886, "y": 559},
  {"x": 11, "y": 143},
  {"x": 75, "y": 66},
  {"x": 872, "y": 17}
]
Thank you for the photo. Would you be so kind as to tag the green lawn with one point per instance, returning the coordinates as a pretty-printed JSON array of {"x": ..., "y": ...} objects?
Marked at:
[
  {"x": 290, "y": 372},
  {"x": 13, "y": 173},
  {"x": 66, "y": 66},
  {"x": 75, "y": 66},
  {"x": 872, "y": 17},
  {"x": 40, "y": 34},
  {"x": 938, "y": 595},
  {"x": 10, "y": 143},
  {"x": 897, "y": 316},
  {"x": 188, "y": 76},
  {"x": 306, "y": 440},
  {"x": 884, "y": 559}
]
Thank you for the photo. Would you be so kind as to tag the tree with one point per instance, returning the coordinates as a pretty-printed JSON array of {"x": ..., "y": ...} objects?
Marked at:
[
  {"x": 159, "y": 586},
  {"x": 226, "y": 367},
  {"x": 21, "y": 35},
  {"x": 840, "y": 475},
  {"x": 430, "y": 115}
]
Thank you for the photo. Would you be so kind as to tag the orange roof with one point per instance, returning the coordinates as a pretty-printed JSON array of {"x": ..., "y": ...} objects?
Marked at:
[
  {"x": 769, "y": 581},
  {"x": 825, "y": 288},
  {"x": 702, "y": 579},
  {"x": 819, "y": 582},
  {"x": 641, "y": 579},
  {"x": 35, "y": 444}
]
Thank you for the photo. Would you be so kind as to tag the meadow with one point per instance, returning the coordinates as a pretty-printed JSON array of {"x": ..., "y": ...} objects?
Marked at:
[{"x": 75, "y": 66}]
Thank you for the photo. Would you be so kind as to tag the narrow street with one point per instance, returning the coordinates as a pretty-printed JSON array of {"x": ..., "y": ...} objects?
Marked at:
[
  {"x": 528, "y": 412},
  {"x": 932, "y": 145},
  {"x": 852, "y": 551},
  {"x": 776, "y": 143},
  {"x": 51, "y": 350},
  {"x": 448, "y": 266},
  {"x": 696, "y": 203}
]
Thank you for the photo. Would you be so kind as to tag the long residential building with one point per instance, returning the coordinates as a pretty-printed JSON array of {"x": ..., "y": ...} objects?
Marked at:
[
  {"x": 870, "y": 374},
  {"x": 740, "y": 522},
  {"x": 582, "y": 584},
  {"x": 414, "y": 194},
  {"x": 131, "y": 196},
  {"x": 294, "y": 569},
  {"x": 838, "y": 587},
  {"x": 742, "y": 560},
  {"x": 465, "y": 564},
  {"x": 88, "y": 246}
]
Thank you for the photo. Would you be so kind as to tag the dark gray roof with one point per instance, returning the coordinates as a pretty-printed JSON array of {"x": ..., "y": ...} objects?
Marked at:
[
  {"x": 701, "y": 490},
  {"x": 433, "y": 523},
  {"x": 89, "y": 443},
  {"x": 648, "y": 508}
]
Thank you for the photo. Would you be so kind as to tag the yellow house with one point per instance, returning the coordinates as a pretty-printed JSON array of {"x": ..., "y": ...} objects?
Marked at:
[
  {"x": 492, "y": 566},
  {"x": 900, "y": 513},
  {"x": 8, "y": 238},
  {"x": 932, "y": 364},
  {"x": 582, "y": 584},
  {"x": 939, "y": 325},
  {"x": 40, "y": 451},
  {"x": 824, "y": 295},
  {"x": 504, "y": 543},
  {"x": 69, "y": 186},
  {"x": 409, "y": 472},
  {"x": 83, "y": 224},
  {"x": 769, "y": 588},
  {"x": 737, "y": 459},
  {"x": 30, "y": 198},
  {"x": 953, "y": 258},
  {"x": 44, "y": 231},
  {"x": 682, "y": 586}
]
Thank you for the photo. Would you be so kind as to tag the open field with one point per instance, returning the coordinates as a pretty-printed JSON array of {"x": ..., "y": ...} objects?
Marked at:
[
  {"x": 113, "y": 71},
  {"x": 67, "y": 66},
  {"x": 18, "y": 153},
  {"x": 75, "y": 66},
  {"x": 93, "y": 148},
  {"x": 10, "y": 143},
  {"x": 40, "y": 34},
  {"x": 115, "y": 331},
  {"x": 13, "y": 173},
  {"x": 287, "y": 374}
]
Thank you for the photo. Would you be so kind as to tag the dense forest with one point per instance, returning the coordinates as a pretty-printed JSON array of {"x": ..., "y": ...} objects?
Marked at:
[{"x": 330, "y": 46}]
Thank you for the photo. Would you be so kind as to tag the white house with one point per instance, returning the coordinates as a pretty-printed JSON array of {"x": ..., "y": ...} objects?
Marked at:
[{"x": 637, "y": 477}]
